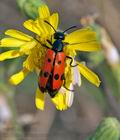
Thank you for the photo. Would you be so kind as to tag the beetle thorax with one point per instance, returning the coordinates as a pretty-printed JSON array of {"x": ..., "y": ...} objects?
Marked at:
[{"x": 58, "y": 45}]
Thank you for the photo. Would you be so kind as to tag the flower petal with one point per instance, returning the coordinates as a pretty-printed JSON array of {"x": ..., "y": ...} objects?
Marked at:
[
  {"x": 81, "y": 35},
  {"x": 28, "y": 46},
  {"x": 88, "y": 47},
  {"x": 18, "y": 35},
  {"x": 44, "y": 26},
  {"x": 54, "y": 20},
  {"x": 32, "y": 26},
  {"x": 18, "y": 77},
  {"x": 76, "y": 77},
  {"x": 82, "y": 40},
  {"x": 11, "y": 42},
  {"x": 38, "y": 23},
  {"x": 68, "y": 74},
  {"x": 60, "y": 101},
  {"x": 44, "y": 12},
  {"x": 39, "y": 99},
  {"x": 69, "y": 96},
  {"x": 29, "y": 63},
  {"x": 88, "y": 74},
  {"x": 9, "y": 55}
]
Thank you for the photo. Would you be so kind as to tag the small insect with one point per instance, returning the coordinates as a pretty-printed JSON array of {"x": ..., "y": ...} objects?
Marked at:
[{"x": 51, "y": 76}]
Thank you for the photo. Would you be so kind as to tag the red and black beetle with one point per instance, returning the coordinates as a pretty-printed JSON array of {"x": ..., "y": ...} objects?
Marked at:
[{"x": 51, "y": 77}]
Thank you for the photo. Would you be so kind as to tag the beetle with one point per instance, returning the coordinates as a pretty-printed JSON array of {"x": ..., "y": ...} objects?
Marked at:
[{"x": 51, "y": 76}]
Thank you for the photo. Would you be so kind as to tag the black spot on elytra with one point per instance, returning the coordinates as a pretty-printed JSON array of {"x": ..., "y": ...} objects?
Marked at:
[
  {"x": 56, "y": 76},
  {"x": 46, "y": 74},
  {"x": 62, "y": 77},
  {"x": 49, "y": 60},
  {"x": 59, "y": 62}
]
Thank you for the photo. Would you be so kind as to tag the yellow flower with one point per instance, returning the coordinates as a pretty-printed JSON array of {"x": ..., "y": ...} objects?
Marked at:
[{"x": 33, "y": 48}]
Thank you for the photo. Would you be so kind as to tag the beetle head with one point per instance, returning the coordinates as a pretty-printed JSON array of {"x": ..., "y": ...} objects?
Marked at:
[{"x": 59, "y": 35}]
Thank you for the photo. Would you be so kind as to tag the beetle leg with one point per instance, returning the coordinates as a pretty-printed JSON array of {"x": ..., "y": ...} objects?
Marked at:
[
  {"x": 64, "y": 85},
  {"x": 71, "y": 61},
  {"x": 49, "y": 42},
  {"x": 42, "y": 44}
]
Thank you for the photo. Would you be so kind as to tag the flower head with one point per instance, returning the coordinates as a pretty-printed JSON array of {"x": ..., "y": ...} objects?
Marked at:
[{"x": 34, "y": 49}]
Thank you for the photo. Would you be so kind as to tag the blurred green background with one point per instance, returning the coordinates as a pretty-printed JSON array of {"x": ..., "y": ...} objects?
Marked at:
[{"x": 22, "y": 120}]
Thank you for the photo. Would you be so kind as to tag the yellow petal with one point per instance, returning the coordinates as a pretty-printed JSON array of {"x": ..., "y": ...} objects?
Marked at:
[
  {"x": 39, "y": 100},
  {"x": 69, "y": 52},
  {"x": 81, "y": 35},
  {"x": 68, "y": 74},
  {"x": 60, "y": 101},
  {"x": 9, "y": 55},
  {"x": 11, "y": 42},
  {"x": 18, "y": 77},
  {"x": 44, "y": 12},
  {"x": 29, "y": 63},
  {"x": 18, "y": 35},
  {"x": 88, "y": 47},
  {"x": 38, "y": 23},
  {"x": 45, "y": 27},
  {"x": 32, "y": 26},
  {"x": 88, "y": 74},
  {"x": 28, "y": 46},
  {"x": 54, "y": 20}
]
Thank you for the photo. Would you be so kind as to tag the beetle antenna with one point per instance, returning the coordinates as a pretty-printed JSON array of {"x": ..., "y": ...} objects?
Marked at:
[
  {"x": 70, "y": 28},
  {"x": 50, "y": 25}
]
